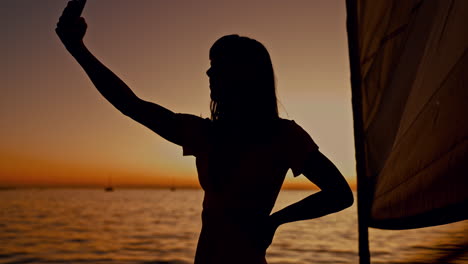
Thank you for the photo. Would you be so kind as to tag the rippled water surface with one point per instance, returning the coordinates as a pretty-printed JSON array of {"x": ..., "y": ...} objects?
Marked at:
[{"x": 160, "y": 226}]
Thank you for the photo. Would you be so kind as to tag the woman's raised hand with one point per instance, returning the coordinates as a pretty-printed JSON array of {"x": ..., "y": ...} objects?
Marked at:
[{"x": 71, "y": 27}]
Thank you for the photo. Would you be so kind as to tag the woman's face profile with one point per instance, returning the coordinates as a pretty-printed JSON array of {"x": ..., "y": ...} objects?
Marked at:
[
  {"x": 210, "y": 73},
  {"x": 224, "y": 74},
  {"x": 220, "y": 76}
]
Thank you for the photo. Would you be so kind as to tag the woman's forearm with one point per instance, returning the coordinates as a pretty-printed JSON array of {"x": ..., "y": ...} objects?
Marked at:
[
  {"x": 71, "y": 30},
  {"x": 106, "y": 82},
  {"x": 316, "y": 205}
]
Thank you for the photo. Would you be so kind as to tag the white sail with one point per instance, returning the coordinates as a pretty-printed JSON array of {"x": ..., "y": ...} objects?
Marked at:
[{"x": 413, "y": 97}]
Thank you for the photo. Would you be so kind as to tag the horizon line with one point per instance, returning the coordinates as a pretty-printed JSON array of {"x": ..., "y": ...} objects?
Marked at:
[{"x": 182, "y": 187}]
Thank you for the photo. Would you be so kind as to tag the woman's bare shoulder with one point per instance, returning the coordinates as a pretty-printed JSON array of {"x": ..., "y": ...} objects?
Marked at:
[{"x": 290, "y": 126}]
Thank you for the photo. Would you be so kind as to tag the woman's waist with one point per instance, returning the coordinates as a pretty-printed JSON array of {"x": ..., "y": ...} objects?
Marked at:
[
  {"x": 223, "y": 202},
  {"x": 233, "y": 216},
  {"x": 235, "y": 208}
]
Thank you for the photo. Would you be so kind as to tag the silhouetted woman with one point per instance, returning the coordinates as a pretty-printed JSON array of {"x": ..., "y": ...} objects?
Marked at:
[{"x": 242, "y": 153}]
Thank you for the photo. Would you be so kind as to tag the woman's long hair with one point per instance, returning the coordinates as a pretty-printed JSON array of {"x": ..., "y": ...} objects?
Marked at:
[{"x": 249, "y": 90}]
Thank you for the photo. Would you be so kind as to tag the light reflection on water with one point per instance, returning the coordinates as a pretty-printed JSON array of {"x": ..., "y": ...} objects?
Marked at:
[{"x": 160, "y": 226}]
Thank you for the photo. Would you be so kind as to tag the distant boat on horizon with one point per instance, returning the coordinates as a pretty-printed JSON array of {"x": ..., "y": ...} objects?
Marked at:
[{"x": 109, "y": 187}]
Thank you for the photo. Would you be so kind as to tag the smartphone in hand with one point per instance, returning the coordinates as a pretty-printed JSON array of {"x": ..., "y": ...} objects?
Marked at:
[{"x": 73, "y": 11}]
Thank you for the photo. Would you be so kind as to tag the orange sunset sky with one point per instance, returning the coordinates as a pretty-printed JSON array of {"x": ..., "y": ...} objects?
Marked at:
[{"x": 57, "y": 130}]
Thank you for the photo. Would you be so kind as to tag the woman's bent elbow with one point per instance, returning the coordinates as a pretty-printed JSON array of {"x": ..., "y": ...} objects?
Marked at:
[
  {"x": 347, "y": 197},
  {"x": 343, "y": 199}
]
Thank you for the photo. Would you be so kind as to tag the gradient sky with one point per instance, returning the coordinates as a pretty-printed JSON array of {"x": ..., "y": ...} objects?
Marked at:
[{"x": 58, "y": 130}]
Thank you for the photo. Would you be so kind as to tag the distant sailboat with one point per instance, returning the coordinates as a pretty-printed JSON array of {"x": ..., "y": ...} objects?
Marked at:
[
  {"x": 172, "y": 188},
  {"x": 109, "y": 187},
  {"x": 409, "y": 64}
]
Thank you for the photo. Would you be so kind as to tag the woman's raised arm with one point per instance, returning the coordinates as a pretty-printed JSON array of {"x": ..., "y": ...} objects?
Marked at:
[{"x": 71, "y": 29}]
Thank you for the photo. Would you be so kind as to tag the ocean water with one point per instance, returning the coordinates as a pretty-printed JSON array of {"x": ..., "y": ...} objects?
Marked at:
[{"x": 160, "y": 226}]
